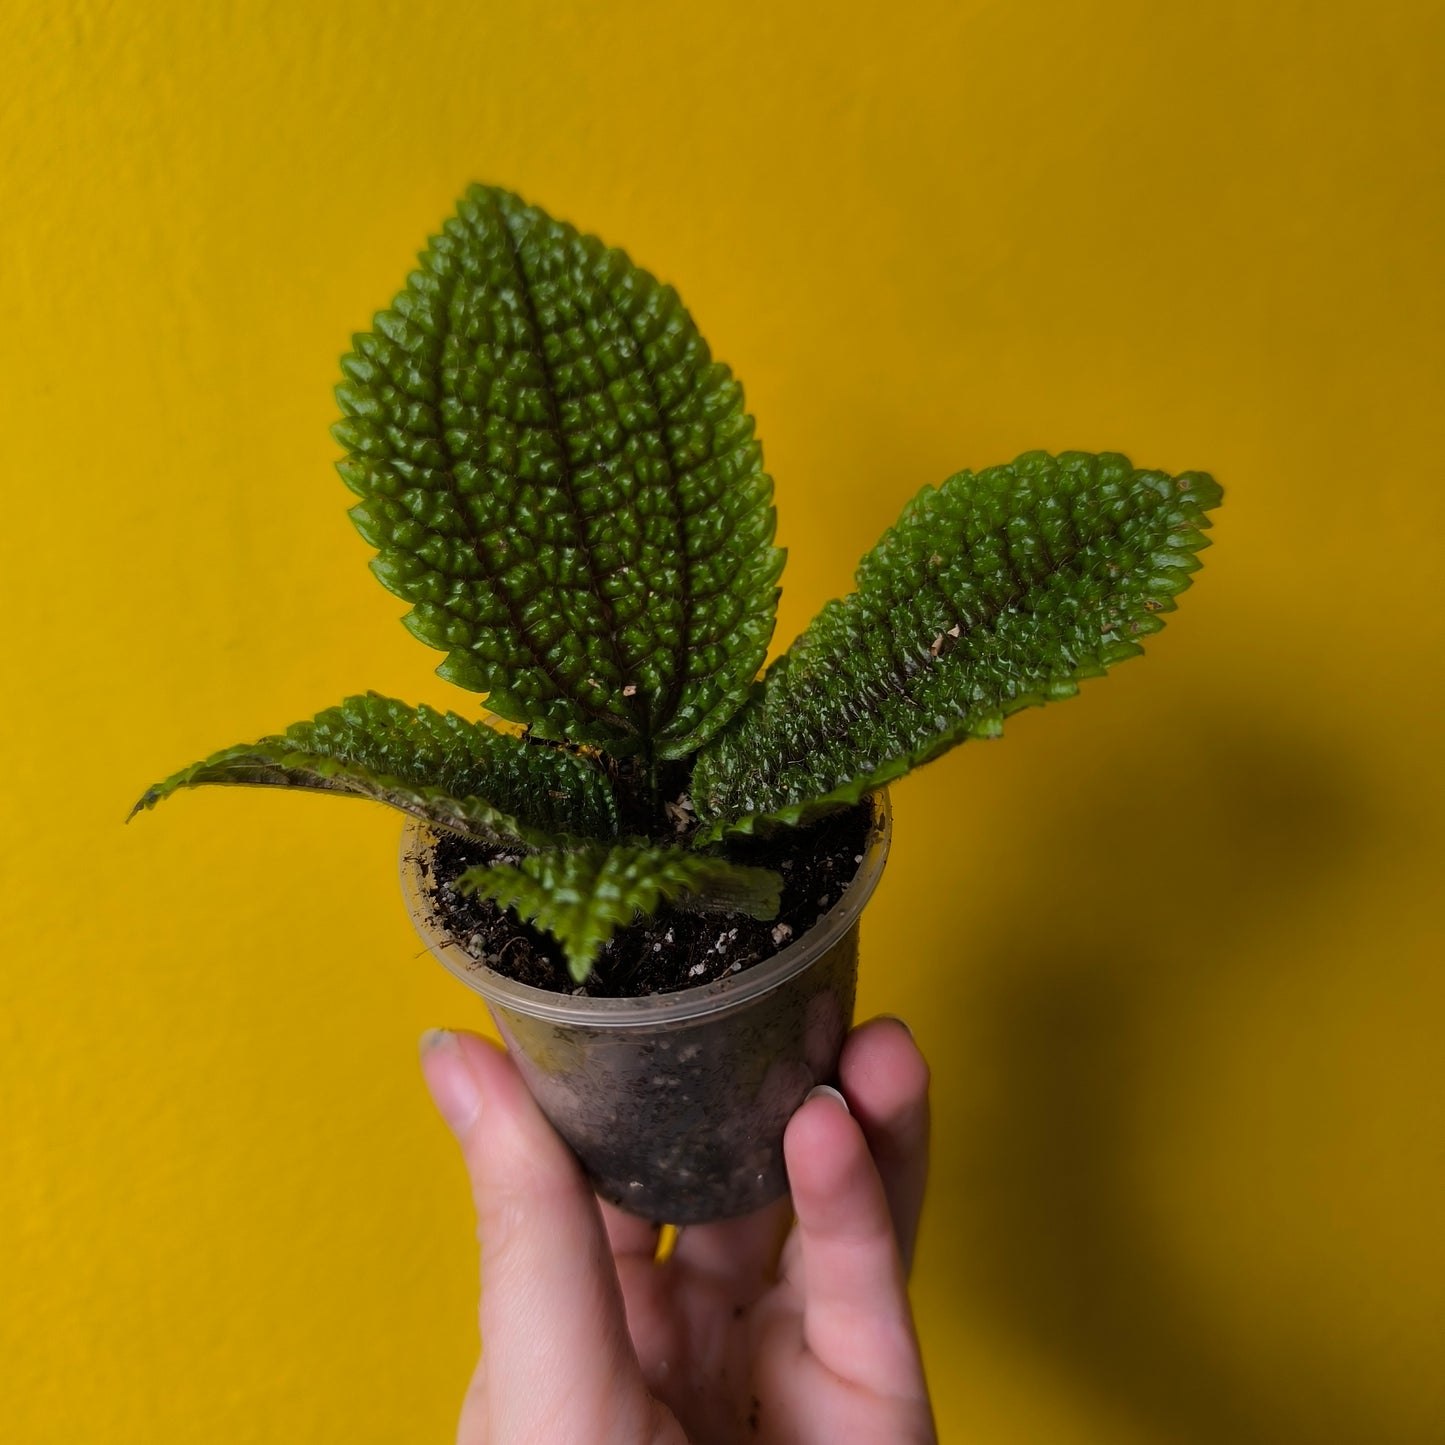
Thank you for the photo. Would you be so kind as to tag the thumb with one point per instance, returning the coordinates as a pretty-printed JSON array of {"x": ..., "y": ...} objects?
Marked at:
[
  {"x": 856, "y": 1316},
  {"x": 557, "y": 1363}
]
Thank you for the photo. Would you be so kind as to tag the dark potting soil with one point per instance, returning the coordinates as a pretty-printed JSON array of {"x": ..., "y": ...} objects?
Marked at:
[{"x": 675, "y": 948}]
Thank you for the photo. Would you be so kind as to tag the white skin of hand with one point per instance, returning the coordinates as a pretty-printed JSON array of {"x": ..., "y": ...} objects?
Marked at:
[{"x": 750, "y": 1332}]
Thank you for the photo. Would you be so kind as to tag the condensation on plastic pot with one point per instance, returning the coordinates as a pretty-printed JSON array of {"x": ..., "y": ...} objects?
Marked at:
[{"x": 711, "y": 999}]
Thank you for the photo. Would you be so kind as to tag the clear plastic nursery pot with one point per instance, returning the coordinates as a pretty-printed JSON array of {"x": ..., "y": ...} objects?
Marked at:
[{"x": 676, "y": 1103}]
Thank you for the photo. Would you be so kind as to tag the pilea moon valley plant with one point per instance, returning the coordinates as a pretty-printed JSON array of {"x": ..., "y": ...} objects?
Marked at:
[{"x": 564, "y": 487}]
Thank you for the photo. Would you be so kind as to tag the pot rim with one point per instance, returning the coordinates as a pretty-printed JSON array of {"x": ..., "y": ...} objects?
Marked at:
[{"x": 710, "y": 999}]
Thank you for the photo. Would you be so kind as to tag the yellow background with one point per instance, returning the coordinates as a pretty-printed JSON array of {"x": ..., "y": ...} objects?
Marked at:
[{"x": 1173, "y": 948}]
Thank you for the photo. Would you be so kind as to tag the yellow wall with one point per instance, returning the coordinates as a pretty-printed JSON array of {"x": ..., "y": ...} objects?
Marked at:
[{"x": 1173, "y": 947}]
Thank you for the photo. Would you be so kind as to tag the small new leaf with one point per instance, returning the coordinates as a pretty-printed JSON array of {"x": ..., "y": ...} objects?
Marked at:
[
  {"x": 459, "y": 775},
  {"x": 582, "y": 897},
  {"x": 992, "y": 593},
  {"x": 563, "y": 484}
]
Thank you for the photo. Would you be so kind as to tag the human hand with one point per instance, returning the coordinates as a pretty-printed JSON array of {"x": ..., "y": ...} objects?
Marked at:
[{"x": 741, "y": 1334}]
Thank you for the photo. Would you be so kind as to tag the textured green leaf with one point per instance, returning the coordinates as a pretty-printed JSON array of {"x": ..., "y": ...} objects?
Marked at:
[
  {"x": 437, "y": 766},
  {"x": 563, "y": 484},
  {"x": 582, "y": 897},
  {"x": 993, "y": 593}
]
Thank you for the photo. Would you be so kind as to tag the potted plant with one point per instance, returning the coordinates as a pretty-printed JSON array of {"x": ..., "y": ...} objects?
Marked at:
[{"x": 650, "y": 858}]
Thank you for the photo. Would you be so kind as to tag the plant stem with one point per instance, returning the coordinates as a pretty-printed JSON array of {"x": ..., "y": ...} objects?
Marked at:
[{"x": 654, "y": 791}]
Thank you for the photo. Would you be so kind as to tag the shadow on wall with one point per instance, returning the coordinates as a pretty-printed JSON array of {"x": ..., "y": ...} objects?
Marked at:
[{"x": 1052, "y": 1239}]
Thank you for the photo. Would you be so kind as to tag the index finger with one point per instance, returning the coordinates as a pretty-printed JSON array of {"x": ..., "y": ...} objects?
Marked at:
[{"x": 885, "y": 1081}]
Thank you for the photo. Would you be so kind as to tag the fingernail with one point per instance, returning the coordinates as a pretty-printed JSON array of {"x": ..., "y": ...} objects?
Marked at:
[
  {"x": 827, "y": 1091},
  {"x": 449, "y": 1079},
  {"x": 902, "y": 1023}
]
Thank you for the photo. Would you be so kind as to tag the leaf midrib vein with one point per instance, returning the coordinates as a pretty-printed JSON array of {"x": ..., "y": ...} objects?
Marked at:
[
  {"x": 539, "y": 351},
  {"x": 460, "y": 508}
]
